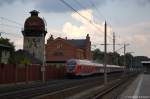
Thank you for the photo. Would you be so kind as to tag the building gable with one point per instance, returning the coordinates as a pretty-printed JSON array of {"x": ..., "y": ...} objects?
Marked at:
[
  {"x": 60, "y": 49},
  {"x": 60, "y": 40}
]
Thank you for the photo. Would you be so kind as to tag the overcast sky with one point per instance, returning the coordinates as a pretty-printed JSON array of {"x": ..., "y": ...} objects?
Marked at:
[{"x": 129, "y": 19}]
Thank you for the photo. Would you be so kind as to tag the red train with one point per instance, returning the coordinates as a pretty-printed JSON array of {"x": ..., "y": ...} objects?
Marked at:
[{"x": 76, "y": 67}]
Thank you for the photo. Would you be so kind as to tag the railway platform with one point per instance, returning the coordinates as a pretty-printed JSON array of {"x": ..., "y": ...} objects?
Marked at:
[{"x": 139, "y": 88}]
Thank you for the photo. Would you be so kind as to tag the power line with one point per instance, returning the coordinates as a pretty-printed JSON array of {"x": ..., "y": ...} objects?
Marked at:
[
  {"x": 6, "y": 25},
  {"x": 12, "y": 34},
  {"x": 12, "y": 21},
  {"x": 83, "y": 6},
  {"x": 64, "y": 2},
  {"x": 80, "y": 4},
  {"x": 93, "y": 5},
  {"x": 98, "y": 11},
  {"x": 88, "y": 20},
  {"x": 68, "y": 5}
]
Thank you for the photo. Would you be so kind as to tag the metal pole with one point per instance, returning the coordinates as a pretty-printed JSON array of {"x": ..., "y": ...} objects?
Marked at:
[
  {"x": 43, "y": 65},
  {"x": 114, "y": 61},
  {"x": 124, "y": 54},
  {"x": 125, "y": 59},
  {"x": 131, "y": 63},
  {"x": 105, "y": 54},
  {"x": 114, "y": 42}
]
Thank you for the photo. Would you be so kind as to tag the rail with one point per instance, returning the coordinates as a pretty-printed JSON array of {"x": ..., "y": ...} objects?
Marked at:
[{"x": 113, "y": 90}]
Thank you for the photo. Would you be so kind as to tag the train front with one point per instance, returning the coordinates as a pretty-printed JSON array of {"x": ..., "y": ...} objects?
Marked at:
[{"x": 70, "y": 67}]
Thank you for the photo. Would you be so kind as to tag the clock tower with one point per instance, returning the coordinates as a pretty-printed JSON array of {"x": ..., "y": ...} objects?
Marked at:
[{"x": 34, "y": 36}]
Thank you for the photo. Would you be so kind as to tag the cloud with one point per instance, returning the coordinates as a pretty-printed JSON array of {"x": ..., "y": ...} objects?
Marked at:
[
  {"x": 58, "y": 6},
  {"x": 96, "y": 31},
  {"x": 3, "y": 2},
  {"x": 138, "y": 36},
  {"x": 139, "y": 32},
  {"x": 6, "y": 2},
  {"x": 135, "y": 2},
  {"x": 143, "y": 2},
  {"x": 142, "y": 28}
]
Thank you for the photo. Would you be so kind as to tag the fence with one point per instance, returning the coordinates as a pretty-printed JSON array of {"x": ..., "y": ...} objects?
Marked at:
[{"x": 24, "y": 73}]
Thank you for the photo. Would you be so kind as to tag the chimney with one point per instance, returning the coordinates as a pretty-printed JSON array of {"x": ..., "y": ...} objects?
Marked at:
[
  {"x": 65, "y": 38},
  {"x": 88, "y": 37},
  {"x": 51, "y": 38},
  {"x": 88, "y": 47},
  {"x": 34, "y": 13}
]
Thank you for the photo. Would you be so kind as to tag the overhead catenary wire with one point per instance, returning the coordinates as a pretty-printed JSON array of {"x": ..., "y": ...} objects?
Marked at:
[
  {"x": 11, "y": 34},
  {"x": 99, "y": 12},
  {"x": 68, "y": 5},
  {"x": 4, "y": 23},
  {"x": 11, "y": 26},
  {"x": 93, "y": 5},
  {"x": 84, "y": 7},
  {"x": 12, "y": 21},
  {"x": 88, "y": 20},
  {"x": 80, "y": 13}
]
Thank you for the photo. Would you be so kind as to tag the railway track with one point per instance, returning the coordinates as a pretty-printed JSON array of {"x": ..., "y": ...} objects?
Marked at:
[
  {"x": 113, "y": 89},
  {"x": 59, "y": 90},
  {"x": 17, "y": 87},
  {"x": 65, "y": 93}
]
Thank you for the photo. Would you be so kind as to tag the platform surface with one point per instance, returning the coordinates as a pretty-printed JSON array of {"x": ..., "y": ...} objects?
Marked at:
[{"x": 139, "y": 88}]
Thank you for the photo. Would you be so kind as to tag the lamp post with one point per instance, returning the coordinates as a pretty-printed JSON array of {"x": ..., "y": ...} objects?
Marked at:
[
  {"x": 131, "y": 65},
  {"x": 105, "y": 54},
  {"x": 43, "y": 63}
]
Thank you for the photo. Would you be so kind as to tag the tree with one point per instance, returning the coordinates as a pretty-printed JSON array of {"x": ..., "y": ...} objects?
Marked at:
[
  {"x": 112, "y": 58},
  {"x": 98, "y": 55},
  {"x": 9, "y": 46},
  {"x": 117, "y": 59},
  {"x": 20, "y": 57},
  {"x": 6, "y": 41}
]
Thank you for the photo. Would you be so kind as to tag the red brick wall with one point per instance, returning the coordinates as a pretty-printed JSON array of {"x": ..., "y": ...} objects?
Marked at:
[{"x": 67, "y": 50}]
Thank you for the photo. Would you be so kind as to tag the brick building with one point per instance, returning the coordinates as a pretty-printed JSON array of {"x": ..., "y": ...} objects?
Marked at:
[
  {"x": 5, "y": 52},
  {"x": 59, "y": 50}
]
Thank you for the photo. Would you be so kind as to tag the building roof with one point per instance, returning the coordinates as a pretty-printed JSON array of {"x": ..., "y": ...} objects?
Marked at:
[
  {"x": 145, "y": 62},
  {"x": 34, "y": 25},
  {"x": 80, "y": 43},
  {"x": 6, "y": 47}
]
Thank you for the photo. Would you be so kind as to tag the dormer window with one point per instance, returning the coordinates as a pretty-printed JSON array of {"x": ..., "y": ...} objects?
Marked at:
[{"x": 59, "y": 46}]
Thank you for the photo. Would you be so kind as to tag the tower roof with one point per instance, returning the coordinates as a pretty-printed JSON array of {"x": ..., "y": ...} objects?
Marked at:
[
  {"x": 34, "y": 13},
  {"x": 34, "y": 24},
  {"x": 34, "y": 21}
]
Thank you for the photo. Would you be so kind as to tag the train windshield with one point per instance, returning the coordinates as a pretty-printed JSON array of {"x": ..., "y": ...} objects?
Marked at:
[{"x": 71, "y": 64}]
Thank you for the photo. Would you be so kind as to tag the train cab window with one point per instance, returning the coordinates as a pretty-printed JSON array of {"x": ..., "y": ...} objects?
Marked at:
[{"x": 71, "y": 64}]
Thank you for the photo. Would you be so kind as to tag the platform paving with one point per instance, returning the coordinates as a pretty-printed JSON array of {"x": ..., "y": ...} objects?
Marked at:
[{"x": 139, "y": 88}]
